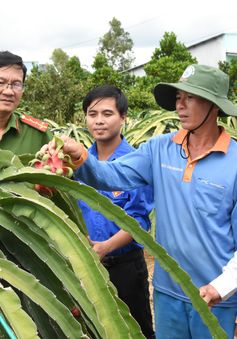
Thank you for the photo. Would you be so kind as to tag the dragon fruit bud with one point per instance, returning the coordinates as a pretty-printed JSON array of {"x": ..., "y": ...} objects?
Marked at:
[
  {"x": 61, "y": 155},
  {"x": 36, "y": 163},
  {"x": 75, "y": 312},
  {"x": 47, "y": 167},
  {"x": 39, "y": 155},
  {"x": 69, "y": 172},
  {"x": 59, "y": 171},
  {"x": 45, "y": 157}
]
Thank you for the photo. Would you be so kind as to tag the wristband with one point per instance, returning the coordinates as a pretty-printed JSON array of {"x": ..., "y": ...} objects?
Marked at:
[{"x": 82, "y": 159}]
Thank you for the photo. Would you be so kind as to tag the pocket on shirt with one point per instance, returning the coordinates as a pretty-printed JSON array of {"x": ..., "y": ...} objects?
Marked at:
[{"x": 208, "y": 195}]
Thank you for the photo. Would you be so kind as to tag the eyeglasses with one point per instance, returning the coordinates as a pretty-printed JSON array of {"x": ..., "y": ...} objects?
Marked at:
[{"x": 16, "y": 86}]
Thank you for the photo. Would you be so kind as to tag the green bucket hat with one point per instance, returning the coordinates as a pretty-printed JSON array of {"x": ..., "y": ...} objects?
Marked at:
[{"x": 204, "y": 81}]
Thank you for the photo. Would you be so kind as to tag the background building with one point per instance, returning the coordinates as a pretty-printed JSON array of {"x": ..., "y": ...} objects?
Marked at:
[{"x": 219, "y": 47}]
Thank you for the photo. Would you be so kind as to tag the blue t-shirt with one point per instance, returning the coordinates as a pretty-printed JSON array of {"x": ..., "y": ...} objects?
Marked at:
[
  {"x": 195, "y": 203},
  {"x": 137, "y": 203}
]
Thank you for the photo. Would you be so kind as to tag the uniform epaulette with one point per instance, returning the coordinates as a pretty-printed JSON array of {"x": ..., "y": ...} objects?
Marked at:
[{"x": 33, "y": 122}]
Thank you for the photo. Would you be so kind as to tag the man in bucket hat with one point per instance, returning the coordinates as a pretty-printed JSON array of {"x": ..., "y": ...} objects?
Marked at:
[{"x": 194, "y": 176}]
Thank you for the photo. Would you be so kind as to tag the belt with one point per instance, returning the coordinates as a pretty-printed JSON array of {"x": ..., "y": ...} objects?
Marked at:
[{"x": 110, "y": 260}]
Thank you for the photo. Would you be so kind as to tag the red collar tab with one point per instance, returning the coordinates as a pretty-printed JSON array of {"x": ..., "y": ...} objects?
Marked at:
[{"x": 33, "y": 122}]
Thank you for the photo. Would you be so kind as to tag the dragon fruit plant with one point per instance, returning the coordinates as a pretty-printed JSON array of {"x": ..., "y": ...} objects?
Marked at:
[{"x": 52, "y": 282}]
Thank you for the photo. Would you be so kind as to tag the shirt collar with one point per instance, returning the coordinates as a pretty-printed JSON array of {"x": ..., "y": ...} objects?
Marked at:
[
  {"x": 117, "y": 152},
  {"x": 221, "y": 144},
  {"x": 13, "y": 122}
]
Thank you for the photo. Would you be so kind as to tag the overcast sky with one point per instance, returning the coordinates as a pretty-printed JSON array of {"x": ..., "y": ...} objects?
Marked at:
[{"x": 33, "y": 29}]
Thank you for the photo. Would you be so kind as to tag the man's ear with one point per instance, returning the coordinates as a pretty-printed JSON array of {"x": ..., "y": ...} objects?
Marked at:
[
  {"x": 124, "y": 118},
  {"x": 215, "y": 108}
]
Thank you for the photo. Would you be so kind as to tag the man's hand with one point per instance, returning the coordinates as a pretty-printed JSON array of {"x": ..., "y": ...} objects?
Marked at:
[
  {"x": 118, "y": 240},
  {"x": 100, "y": 247},
  {"x": 210, "y": 295},
  {"x": 70, "y": 147}
]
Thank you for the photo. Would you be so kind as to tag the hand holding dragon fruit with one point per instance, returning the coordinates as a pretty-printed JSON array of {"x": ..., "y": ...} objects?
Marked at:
[{"x": 54, "y": 160}]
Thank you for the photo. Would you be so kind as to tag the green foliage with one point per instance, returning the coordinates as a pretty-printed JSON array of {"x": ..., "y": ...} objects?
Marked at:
[
  {"x": 63, "y": 271},
  {"x": 79, "y": 133},
  {"x": 166, "y": 65},
  {"x": 54, "y": 93},
  {"x": 103, "y": 73},
  {"x": 150, "y": 124},
  {"x": 117, "y": 46},
  {"x": 168, "y": 61},
  {"x": 230, "y": 68},
  {"x": 44, "y": 240},
  {"x": 59, "y": 58},
  {"x": 140, "y": 96},
  {"x": 140, "y": 127},
  {"x": 230, "y": 125},
  {"x": 74, "y": 68}
]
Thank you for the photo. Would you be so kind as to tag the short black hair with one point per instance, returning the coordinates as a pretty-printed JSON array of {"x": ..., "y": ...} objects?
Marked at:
[
  {"x": 107, "y": 91},
  {"x": 7, "y": 58}
]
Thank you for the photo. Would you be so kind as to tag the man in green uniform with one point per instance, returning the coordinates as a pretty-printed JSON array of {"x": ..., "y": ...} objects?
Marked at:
[{"x": 19, "y": 133}]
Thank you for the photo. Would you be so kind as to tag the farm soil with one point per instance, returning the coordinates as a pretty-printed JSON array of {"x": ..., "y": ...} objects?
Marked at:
[{"x": 150, "y": 266}]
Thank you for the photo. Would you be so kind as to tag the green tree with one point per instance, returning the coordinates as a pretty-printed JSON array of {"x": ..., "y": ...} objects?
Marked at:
[
  {"x": 140, "y": 96},
  {"x": 167, "y": 64},
  {"x": 169, "y": 60},
  {"x": 117, "y": 46},
  {"x": 73, "y": 65},
  {"x": 104, "y": 73},
  {"x": 231, "y": 69},
  {"x": 59, "y": 59},
  {"x": 55, "y": 92}
]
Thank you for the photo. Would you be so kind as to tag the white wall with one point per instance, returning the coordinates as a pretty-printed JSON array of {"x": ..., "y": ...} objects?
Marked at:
[
  {"x": 212, "y": 51},
  {"x": 138, "y": 71},
  {"x": 230, "y": 43},
  {"x": 209, "y": 52}
]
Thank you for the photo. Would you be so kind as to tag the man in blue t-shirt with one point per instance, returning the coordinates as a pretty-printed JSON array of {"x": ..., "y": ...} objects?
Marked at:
[{"x": 106, "y": 108}]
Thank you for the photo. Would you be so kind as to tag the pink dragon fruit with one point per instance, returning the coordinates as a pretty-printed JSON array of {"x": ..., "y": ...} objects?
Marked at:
[{"x": 54, "y": 161}]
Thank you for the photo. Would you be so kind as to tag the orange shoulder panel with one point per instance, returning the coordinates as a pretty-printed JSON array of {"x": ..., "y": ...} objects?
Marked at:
[{"x": 33, "y": 122}]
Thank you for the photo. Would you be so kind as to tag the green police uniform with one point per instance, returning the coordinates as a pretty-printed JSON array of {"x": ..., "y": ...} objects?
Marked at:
[{"x": 25, "y": 134}]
